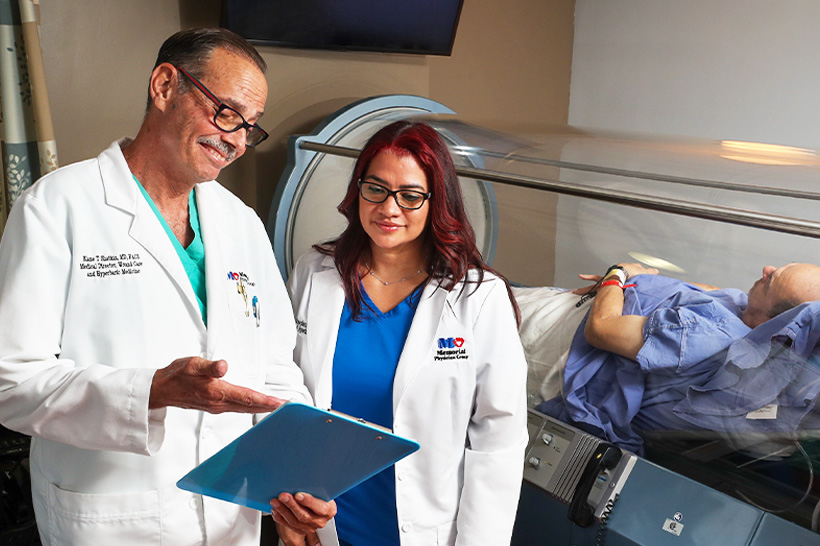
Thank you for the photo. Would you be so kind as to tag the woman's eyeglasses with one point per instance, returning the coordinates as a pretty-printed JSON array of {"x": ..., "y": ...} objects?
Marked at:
[{"x": 406, "y": 199}]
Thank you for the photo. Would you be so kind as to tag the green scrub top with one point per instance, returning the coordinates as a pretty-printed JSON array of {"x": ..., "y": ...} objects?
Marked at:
[{"x": 193, "y": 257}]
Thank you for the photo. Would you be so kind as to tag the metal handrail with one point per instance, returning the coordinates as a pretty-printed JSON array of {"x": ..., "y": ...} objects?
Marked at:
[
  {"x": 627, "y": 173},
  {"x": 717, "y": 213}
]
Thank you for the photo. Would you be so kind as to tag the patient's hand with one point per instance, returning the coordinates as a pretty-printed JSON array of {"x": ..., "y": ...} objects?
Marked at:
[
  {"x": 586, "y": 289},
  {"x": 635, "y": 269}
]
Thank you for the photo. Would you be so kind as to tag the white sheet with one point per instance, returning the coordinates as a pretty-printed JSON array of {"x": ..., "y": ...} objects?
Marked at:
[{"x": 549, "y": 319}]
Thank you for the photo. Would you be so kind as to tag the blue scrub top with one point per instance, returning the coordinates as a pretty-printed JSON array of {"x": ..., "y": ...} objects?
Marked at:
[
  {"x": 364, "y": 365},
  {"x": 193, "y": 257}
]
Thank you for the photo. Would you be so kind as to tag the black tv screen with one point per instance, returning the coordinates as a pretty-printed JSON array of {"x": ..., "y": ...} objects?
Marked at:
[{"x": 425, "y": 27}]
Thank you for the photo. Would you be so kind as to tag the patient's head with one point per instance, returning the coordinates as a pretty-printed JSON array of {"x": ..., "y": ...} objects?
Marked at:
[{"x": 780, "y": 289}]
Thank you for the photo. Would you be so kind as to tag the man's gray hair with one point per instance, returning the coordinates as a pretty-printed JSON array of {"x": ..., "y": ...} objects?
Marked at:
[{"x": 191, "y": 49}]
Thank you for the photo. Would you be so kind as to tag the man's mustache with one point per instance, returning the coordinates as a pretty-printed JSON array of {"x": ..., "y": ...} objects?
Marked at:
[{"x": 228, "y": 150}]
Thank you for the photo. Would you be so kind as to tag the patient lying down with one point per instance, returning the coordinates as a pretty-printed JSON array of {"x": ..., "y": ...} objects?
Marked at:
[{"x": 651, "y": 352}]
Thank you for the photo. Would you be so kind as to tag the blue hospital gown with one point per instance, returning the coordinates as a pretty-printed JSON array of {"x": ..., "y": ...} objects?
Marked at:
[
  {"x": 686, "y": 332},
  {"x": 776, "y": 365}
]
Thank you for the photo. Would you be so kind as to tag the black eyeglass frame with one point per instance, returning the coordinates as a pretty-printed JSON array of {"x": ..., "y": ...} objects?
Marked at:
[
  {"x": 221, "y": 106},
  {"x": 395, "y": 194}
]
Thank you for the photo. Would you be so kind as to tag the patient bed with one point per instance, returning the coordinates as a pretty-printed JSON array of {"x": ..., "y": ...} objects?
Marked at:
[
  {"x": 549, "y": 318},
  {"x": 746, "y": 424},
  {"x": 701, "y": 368}
]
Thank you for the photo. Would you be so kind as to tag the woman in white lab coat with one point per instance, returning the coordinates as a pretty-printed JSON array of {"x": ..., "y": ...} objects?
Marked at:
[{"x": 401, "y": 323}]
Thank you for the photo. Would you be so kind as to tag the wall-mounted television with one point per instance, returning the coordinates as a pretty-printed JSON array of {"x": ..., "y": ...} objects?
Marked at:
[{"x": 426, "y": 27}]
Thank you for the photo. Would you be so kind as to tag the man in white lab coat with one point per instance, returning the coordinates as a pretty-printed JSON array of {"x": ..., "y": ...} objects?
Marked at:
[{"x": 143, "y": 321}]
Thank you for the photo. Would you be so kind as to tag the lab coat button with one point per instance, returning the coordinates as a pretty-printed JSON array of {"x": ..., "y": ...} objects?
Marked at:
[
  {"x": 400, "y": 476},
  {"x": 194, "y": 503},
  {"x": 206, "y": 431},
  {"x": 406, "y": 527}
]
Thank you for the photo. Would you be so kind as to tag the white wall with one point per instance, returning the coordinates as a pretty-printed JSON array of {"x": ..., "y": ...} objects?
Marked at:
[
  {"x": 729, "y": 69},
  {"x": 726, "y": 69}
]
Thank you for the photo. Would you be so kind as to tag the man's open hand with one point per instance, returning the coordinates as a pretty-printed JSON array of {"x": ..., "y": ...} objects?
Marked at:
[{"x": 195, "y": 383}]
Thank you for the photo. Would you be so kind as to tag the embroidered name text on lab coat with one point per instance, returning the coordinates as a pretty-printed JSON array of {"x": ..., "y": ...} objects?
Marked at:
[{"x": 110, "y": 265}]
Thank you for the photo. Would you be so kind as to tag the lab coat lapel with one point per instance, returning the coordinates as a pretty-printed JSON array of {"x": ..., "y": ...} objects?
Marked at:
[
  {"x": 325, "y": 313},
  {"x": 216, "y": 269},
  {"x": 122, "y": 192},
  {"x": 416, "y": 352}
]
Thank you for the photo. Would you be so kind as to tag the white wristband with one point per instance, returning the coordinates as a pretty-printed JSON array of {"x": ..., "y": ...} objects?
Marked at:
[{"x": 620, "y": 273}]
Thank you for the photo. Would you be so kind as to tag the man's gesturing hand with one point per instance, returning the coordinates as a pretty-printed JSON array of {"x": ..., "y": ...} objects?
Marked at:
[{"x": 195, "y": 383}]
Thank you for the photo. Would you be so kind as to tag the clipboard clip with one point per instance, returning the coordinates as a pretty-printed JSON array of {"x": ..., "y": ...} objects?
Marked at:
[{"x": 359, "y": 420}]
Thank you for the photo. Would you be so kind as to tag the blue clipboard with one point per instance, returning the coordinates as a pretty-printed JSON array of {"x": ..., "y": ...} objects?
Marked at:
[{"x": 297, "y": 448}]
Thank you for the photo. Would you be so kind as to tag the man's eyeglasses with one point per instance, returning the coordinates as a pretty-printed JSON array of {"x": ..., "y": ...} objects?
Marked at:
[
  {"x": 226, "y": 118},
  {"x": 406, "y": 199}
]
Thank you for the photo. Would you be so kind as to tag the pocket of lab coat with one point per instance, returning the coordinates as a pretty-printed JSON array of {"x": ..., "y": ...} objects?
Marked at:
[
  {"x": 246, "y": 362},
  {"x": 122, "y": 519}
]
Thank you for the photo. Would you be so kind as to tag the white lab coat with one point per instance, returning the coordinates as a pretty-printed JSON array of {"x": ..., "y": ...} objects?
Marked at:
[
  {"x": 93, "y": 299},
  {"x": 465, "y": 405}
]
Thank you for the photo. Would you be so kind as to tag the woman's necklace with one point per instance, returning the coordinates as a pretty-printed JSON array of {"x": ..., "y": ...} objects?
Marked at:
[{"x": 388, "y": 283}]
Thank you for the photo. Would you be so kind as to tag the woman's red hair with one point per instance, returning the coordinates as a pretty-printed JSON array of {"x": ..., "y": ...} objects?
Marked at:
[{"x": 449, "y": 239}]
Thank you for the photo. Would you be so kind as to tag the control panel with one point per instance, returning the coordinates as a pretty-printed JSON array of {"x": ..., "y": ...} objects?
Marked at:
[{"x": 572, "y": 465}]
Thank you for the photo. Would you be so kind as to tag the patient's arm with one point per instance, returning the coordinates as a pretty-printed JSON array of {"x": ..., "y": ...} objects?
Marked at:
[
  {"x": 607, "y": 327},
  {"x": 705, "y": 286},
  {"x": 632, "y": 269}
]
